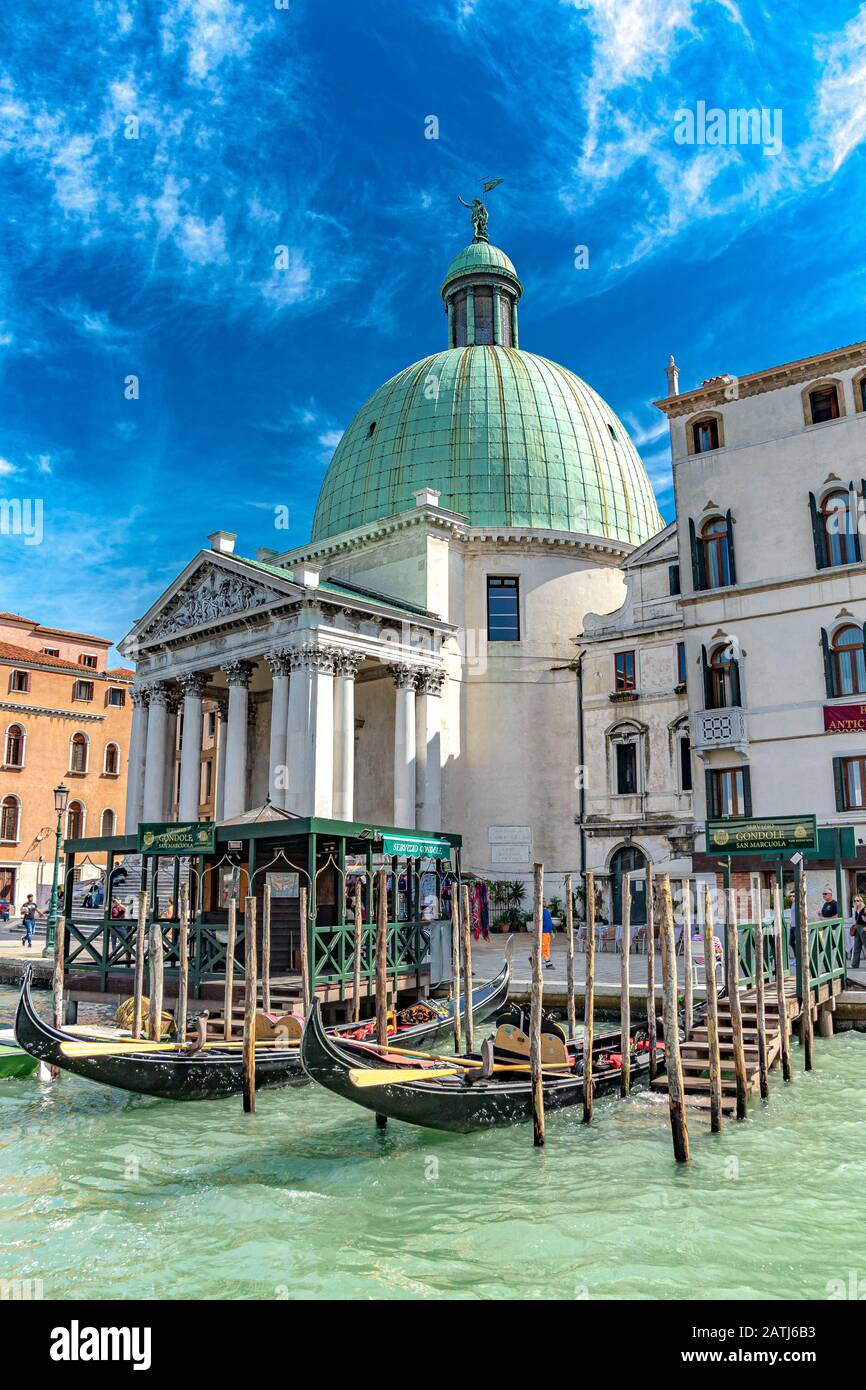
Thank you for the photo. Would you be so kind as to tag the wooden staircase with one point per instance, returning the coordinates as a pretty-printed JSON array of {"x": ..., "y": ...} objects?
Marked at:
[{"x": 695, "y": 1050}]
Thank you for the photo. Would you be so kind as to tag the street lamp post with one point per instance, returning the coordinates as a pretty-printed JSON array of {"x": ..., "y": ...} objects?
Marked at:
[{"x": 61, "y": 796}]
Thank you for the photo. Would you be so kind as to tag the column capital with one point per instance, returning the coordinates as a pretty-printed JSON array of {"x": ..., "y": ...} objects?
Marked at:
[
  {"x": 430, "y": 682},
  {"x": 404, "y": 676},
  {"x": 157, "y": 693},
  {"x": 280, "y": 661},
  {"x": 346, "y": 663},
  {"x": 194, "y": 683},
  {"x": 239, "y": 672},
  {"x": 313, "y": 658},
  {"x": 173, "y": 698},
  {"x": 140, "y": 696}
]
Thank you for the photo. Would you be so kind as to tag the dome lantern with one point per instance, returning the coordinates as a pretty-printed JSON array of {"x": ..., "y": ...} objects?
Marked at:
[{"x": 481, "y": 289}]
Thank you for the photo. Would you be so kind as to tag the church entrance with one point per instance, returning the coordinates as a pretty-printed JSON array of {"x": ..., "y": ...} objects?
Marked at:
[{"x": 629, "y": 860}]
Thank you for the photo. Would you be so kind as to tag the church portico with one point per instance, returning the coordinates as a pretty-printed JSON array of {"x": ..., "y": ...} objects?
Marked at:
[{"x": 279, "y": 679}]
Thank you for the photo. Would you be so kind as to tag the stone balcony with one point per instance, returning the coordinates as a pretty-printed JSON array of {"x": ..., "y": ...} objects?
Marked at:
[{"x": 719, "y": 728}]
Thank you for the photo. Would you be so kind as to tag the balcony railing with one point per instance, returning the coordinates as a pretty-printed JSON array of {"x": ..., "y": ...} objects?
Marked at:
[{"x": 719, "y": 728}]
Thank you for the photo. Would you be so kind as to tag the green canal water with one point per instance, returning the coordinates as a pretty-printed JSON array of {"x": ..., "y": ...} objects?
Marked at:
[{"x": 106, "y": 1195}]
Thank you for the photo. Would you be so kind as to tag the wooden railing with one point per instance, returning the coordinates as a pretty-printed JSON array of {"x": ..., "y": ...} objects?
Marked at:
[{"x": 828, "y": 960}]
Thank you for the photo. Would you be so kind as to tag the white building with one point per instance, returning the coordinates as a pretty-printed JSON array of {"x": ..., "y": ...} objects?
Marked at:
[{"x": 413, "y": 664}]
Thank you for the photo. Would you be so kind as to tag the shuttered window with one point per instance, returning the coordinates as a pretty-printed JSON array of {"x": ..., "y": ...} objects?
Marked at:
[{"x": 729, "y": 793}]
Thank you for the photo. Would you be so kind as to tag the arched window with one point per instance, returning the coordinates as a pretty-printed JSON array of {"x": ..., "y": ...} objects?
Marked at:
[
  {"x": 823, "y": 403},
  {"x": 108, "y": 822},
  {"x": 839, "y": 539},
  {"x": 705, "y": 434},
  {"x": 628, "y": 860},
  {"x": 112, "y": 760},
  {"x": 724, "y": 677},
  {"x": 849, "y": 661},
  {"x": 10, "y": 816},
  {"x": 75, "y": 820},
  {"x": 716, "y": 550},
  {"x": 14, "y": 753},
  {"x": 78, "y": 749}
]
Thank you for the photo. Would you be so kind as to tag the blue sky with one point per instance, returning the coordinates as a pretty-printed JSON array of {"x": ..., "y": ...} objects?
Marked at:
[{"x": 305, "y": 127}]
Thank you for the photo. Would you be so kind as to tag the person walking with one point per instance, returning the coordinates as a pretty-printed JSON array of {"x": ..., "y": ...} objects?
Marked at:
[
  {"x": 829, "y": 905},
  {"x": 858, "y": 930},
  {"x": 546, "y": 937},
  {"x": 28, "y": 920}
]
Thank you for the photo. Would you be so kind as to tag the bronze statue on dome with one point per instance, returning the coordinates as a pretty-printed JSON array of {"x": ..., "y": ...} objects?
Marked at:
[{"x": 479, "y": 211}]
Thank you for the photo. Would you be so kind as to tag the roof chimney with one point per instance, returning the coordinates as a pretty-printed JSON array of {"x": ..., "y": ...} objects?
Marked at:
[
  {"x": 427, "y": 497},
  {"x": 223, "y": 542},
  {"x": 306, "y": 576},
  {"x": 672, "y": 372}
]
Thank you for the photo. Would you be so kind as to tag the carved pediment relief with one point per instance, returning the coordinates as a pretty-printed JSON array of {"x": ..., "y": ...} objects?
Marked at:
[{"x": 206, "y": 598}]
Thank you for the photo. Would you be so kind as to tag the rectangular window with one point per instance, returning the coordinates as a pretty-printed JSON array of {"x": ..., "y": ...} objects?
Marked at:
[
  {"x": 626, "y": 769},
  {"x": 20, "y": 681},
  {"x": 51, "y": 651},
  {"x": 681, "y": 663},
  {"x": 624, "y": 671},
  {"x": 484, "y": 316},
  {"x": 460, "y": 320},
  {"x": 674, "y": 578},
  {"x": 503, "y": 609},
  {"x": 706, "y": 436},
  {"x": 82, "y": 690},
  {"x": 211, "y": 723},
  {"x": 115, "y": 696},
  {"x": 685, "y": 765},
  {"x": 824, "y": 404},
  {"x": 728, "y": 793},
  {"x": 207, "y": 779},
  {"x": 85, "y": 659},
  {"x": 853, "y": 784}
]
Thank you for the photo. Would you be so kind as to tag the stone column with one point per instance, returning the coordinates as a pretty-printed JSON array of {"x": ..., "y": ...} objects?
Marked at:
[
  {"x": 311, "y": 731},
  {"x": 155, "y": 755},
  {"x": 193, "y": 687},
  {"x": 428, "y": 750},
  {"x": 238, "y": 674},
  {"x": 346, "y": 669},
  {"x": 404, "y": 746},
  {"x": 172, "y": 706},
  {"x": 222, "y": 723},
  {"x": 280, "y": 664},
  {"x": 136, "y": 759}
]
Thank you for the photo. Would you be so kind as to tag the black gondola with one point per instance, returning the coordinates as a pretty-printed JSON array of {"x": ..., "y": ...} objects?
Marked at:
[
  {"x": 450, "y": 1103},
  {"x": 217, "y": 1072}
]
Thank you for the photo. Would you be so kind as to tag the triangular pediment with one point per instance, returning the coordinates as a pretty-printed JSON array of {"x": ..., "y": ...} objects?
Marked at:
[{"x": 209, "y": 591}]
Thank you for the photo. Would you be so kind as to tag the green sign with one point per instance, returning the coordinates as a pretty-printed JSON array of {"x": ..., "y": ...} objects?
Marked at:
[
  {"x": 416, "y": 847},
  {"x": 177, "y": 837},
  {"x": 827, "y": 844},
  {"x": 775, "y": 835}
]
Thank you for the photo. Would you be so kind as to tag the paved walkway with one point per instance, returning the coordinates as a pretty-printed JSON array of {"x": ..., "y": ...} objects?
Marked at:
[{"x": 487, "y": 959}]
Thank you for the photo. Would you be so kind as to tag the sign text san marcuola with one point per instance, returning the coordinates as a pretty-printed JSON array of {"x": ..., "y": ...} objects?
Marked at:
[{"x": 775, "y": 833}]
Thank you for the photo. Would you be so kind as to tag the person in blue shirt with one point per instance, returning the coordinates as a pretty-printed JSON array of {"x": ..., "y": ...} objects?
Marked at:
[{"x": 546, "y": 936}]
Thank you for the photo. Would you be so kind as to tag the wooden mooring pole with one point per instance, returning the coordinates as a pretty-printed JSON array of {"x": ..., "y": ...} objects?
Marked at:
[
  {"x": 733, "y": 982},
  {"x": 807, "y": 1036},
  {"x": 250, "y": 1001},
  {"x": 138, "y": 984},
  {"x": 183, "y": 963},
  {"x": 589, "y": 997},
  {"x": 266, "y": 947},
  {"x": 382, "y": 968},
  {"x": 231, "y": 947},
  {"x": 761, "y": 1022},
  {"x": 359, "y": 951},
  {"x": 535, "y": 1012},
  {"x": 784, "y": 1025},
  {"x": 673, "y": 1060},
  {"x": 569, "y": 955},
  {"x": 624, "y": 996},
  {"x": 688, "y": 982},
  {"x": 57, "y": 980},
  {"x": 156, "y": 966},
  {"x": 651, "y": 970},
  {"x": 303, "y": 900},
  {"x": 467, "y": 971},
  {"x": 714, "y": 1056},
  {"x": 455, "y": 960}
]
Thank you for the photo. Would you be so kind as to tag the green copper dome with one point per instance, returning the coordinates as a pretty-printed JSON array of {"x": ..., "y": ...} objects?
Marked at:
[{"x": 507, "y": 438}]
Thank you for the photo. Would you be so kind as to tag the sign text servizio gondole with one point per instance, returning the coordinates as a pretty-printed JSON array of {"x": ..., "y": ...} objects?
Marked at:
[
  {"x": 775, "y": 833},
  {"x": 177, "y": 837},
  {"x": 416, "y": 846}
]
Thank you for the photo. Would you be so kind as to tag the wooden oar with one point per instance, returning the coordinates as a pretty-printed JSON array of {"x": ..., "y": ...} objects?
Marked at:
[
  {"x": 383, "y": 1077},
  {"x": 83, "y": 1049}
]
